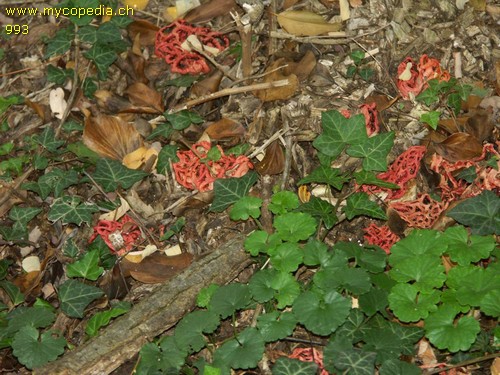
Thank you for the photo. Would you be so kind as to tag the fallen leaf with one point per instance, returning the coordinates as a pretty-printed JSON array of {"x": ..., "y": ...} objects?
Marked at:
[
  {"x": 31, "y": 264},
  {"x": 118, "y": 213},
  {"x": 480, "y": 125},
  {"x": 459, "y": 146},
  {"x": 282, "y": 92},
  {"x": 173, "y": 251},
  {"x": 495, "y": 367},
  {"x": 207, "y": 85},
  {"x": 184, "y": 6},
  {"x": 111, "y": 102},
  {"x": 145, "y": 29},
  {"x": 209, "y": 10},
  {"x": 225, "y": 128},
  {"x": 303, "y": 68},
  {"x": 110, "y": 136},
  {"x": 273, "y": 161},
  {"x": 140, "y": 157},
  {"x": 305, "y": 23},
  {"x": 145, "y": 97},
  {"x": 57, "y": 103},
  {"x": 138, "y": 256},
  {"x": 40, "y": 109},
  {"x": 157, "y": 267}
]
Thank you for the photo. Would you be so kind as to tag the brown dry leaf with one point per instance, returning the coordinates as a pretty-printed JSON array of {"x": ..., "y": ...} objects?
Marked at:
[
  {"x": 289, "y": 3},
  {"x": 208, "y": 11},
  {"x": 146, "y": 30},
  {"x": 278, "y": 93},
  {"x": 157, "y": 267},
  {"x": 303, "y": 68},
  {"x": 459, "y": 146},
  {"x": 41, "y": 110},
  {"x": 111, "y": 102},
  {"x": 225, "y": 128},
  {"x": 207, "y": 85},
  {"x": 480, "y": 125},
  {"x": 495, "y": 367},
  {"x": 397, "y": 225},
  {"x": 140, "y": 157},
  {"x": 382, "y": 101},
  {"x": 451, "y": 125},
  {"x": 274, "y": 160},
  {"x": 497, "y": 75},
  {"x": 110, "y": 136},
  {"x": 199, "y": 200},
  {"x": 145, "y": 97},
  {"x": 478, "y": 5},
  {"x": 303, "y": 22}
]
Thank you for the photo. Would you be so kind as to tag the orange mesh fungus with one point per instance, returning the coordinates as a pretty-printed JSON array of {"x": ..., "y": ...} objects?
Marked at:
[
  {"x": 381, "y": 236},
  {"x": 168, "y": 46},
  {"x": 195, "y": 171}
]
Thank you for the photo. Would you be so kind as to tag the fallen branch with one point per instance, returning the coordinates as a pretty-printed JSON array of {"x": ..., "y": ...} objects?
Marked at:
[{"x": 153, "y": 315}]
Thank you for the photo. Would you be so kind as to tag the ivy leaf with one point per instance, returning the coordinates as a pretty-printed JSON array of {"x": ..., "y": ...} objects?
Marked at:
[
  {"x": 355, "y": 280},
  {"x": 431, "y": 118},
  {"x": 110, "y": 174},
  {"x": 463, "y": 249},
  {"x": 14, "y": 293},
  {"x": 70, "y": 209},
  {"x": 428, "y": 96},
  {"x": 60, "y": 43},
  {"x": 58, "y": 75},
  {"x": 183, "y": 119},
  {"x": 286, "y": 257},
  {"x": 103, "y": 318},
  {"x": 229, "y": 190},
  {"x": 446, "y": 333},
  {"x": 274, "y": 326},
  {"x": 87, "y": 267},
  {"x": 322, "y": 210},
  {"x": 374, "y": 150},
  {"x": 84, "y": 19},
  {"x": 189, "y": 331},
  {"x": 168, "y": 153},
  {"x": 355, "y": 362},
  {"x": 75, "y": 297},
  {"x": 338, "y": 132},
  {"x": 245, "y": 207},
  {"x": 48, "y": 140},
  {"x": 282, "y": 202},
  {"x": 481, "y": 213},
  {"x": 424, "y": 272},
  {"x": 410, "y": 304},
  {"x": 241, "y": 353},
  {"x": 295, "y": 226},
  {"x": 397, "y": 367},
  {"x": 359, "y": 204},
  {"x": 455, "y": 102},
  {"x": 364, "y": 177},
  {"x": 326, "y": 175},
  {"x": 56, "y": 180},
  {"x": 102, "y": 56},
  {"x": 23, "y": 215},
  {"x": 33, "y": 350},
  {"x": 321, "y": 314},
  {"x": 108, "y": 32},
  {"x": 354, "y": 328},
  {"x": 164, "y": 130},
  {"x": 419, "y": 243},
  {"x": 229, "y": 298},
  {"x": 292, "y": 366}
]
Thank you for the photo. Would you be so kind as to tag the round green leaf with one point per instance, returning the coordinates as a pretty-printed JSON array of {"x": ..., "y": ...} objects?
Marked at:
[
  {"x": 189, "y": 331},
  {"x": 410, "y": 304},
  {"x": 244, "y": 352},
  {"x": 321, "y": 315},
  {"x": 287, "y": 257},
  {"x": 34, "y": 351},
  {"x": 445, "y": 332},
  {"x": 283, "y": 202},
  {"x": 229, "y": 298},
  {"x": 246, "y": 207},
  {"x": 295, "y": 226},
  {"x": 273, "y": 326}
]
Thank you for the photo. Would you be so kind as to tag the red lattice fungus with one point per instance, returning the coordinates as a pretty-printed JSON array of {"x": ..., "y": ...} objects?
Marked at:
[
  {"x": 120, "y": 236},
  {"x": 381, "y": 236}
]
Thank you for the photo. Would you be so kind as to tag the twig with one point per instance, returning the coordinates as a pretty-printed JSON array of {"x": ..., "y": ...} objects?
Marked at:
[
  {"x": 222, "y": 68},
  {"x": 19, "y": 180},
  {"x": 275, "y": 136},
  {"x": 245, "y": 32},
  {"x": 255, "y": 76},
  {"x": 464, "y": 363},
  {"x": 229, "y": 91},
  {"x": 285, "y": 118},
  {"x": 331, "y": 39},
  {"x": 74, "y": 89}
]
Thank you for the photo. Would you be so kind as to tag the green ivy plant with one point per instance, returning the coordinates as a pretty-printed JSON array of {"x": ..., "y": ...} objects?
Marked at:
[
  {"x": 100, "y": 45},
  {"x": 411, "y": 284},
  {"x": 357, "y": 68}
]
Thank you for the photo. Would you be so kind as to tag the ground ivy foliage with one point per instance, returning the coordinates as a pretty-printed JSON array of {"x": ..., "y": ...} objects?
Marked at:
[{"x": 411, "y": 285}]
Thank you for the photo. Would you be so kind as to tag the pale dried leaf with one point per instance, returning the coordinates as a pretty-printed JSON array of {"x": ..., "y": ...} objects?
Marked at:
[
  {"x": 302, "y": 22},
  {"x": 57, "y": 103},
  {"x": 31, "y": 264}
]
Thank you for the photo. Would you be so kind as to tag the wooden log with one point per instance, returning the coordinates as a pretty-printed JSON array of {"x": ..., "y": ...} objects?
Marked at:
[{"x": 153, "y": 315}]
